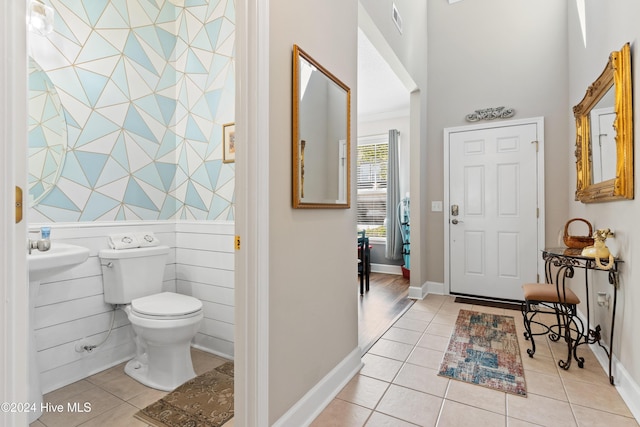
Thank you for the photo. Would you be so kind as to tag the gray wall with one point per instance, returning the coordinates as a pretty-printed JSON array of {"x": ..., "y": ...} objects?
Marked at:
[
  {"x": 608, "y": 26},
  {"x": 514, "y": 56},
  {"x": 313, "y": 321}
]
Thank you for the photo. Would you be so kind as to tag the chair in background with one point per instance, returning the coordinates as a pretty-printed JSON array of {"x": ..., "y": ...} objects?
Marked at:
[{"x": 364, "y": 261}]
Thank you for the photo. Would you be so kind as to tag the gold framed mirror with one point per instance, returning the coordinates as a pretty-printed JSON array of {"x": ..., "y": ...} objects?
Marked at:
[
  {"x": 604, "y": 134},
  {"x": 321, "y": 136}
]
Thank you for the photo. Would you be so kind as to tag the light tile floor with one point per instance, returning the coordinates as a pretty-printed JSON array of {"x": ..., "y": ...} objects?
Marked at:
[
  {"x": 399, "y": 386},
  {"x": 114, "y": 397}
]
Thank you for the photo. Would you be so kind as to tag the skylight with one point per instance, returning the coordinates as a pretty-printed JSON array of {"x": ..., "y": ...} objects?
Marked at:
[{"x": 583, "y": 22}]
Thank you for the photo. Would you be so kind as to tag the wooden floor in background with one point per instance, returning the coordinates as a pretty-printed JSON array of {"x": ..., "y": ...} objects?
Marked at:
[{"x": 379, "y": 308}]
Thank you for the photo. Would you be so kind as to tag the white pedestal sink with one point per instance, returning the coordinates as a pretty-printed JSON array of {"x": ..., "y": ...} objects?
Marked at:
[{"x": 60, "y": 257}]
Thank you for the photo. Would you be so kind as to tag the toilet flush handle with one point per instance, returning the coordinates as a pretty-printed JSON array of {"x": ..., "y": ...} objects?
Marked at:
[{"x": 109, "y": 265}]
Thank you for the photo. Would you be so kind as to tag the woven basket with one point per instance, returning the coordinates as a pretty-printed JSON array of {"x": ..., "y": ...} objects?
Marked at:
[{"x": 577, "y": 242}]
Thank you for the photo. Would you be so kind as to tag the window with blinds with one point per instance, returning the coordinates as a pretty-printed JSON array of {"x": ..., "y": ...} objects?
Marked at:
[{"x": 372, "y": 165}]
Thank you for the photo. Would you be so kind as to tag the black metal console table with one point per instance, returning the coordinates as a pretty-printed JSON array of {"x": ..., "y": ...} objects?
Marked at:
[{"x": 566, "y": 260}]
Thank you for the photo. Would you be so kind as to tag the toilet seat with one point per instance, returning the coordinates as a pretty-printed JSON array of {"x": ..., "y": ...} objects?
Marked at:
[{"x": 166, "y": 305}]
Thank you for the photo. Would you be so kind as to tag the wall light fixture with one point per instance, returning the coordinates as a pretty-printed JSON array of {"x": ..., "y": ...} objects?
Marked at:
[{"x": 40, "y": 17}]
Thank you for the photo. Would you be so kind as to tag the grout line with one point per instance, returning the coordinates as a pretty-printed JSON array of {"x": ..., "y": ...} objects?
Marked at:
[
  {"x": 551, "y": 359},
  {"x": 119, "y": 399}
]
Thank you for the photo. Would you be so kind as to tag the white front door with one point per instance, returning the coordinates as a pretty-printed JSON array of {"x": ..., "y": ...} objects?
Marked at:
[{"x": 493, "y": 210}]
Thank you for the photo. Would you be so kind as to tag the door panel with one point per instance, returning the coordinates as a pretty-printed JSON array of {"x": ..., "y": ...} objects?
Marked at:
[
  {"x": 474, "y": 253},
  {"x": 508, "y": 255},
  {"x": 493, "y": 179},
  {"x": 474, "y": 185}
]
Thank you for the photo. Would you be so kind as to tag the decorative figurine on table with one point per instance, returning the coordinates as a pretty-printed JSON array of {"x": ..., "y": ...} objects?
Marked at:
[{"x": 599, "y": 250}]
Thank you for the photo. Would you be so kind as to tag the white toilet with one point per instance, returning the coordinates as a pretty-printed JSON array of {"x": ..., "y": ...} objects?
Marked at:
[{"x": 164, "y": 323}]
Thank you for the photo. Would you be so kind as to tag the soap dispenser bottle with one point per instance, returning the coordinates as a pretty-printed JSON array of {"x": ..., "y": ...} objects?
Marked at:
[{"x": 44, "y": 244}]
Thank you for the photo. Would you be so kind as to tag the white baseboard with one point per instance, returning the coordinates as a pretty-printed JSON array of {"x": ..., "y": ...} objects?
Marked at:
[
  {"x": 629, "y": 390},
  {"x": 206, "y": 349},
  {"x": 386, "y": 268},
  {"x": 436, "y": 288},
  {"x": 427, "y": 288},
  {"x": 309, "y": 407},
  {"x": 418, "y": 292},
  {"x": 627, "y": 387}
]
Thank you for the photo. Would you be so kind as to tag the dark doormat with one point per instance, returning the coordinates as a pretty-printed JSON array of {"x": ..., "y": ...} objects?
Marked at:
[{"x": 489, "y": 303}]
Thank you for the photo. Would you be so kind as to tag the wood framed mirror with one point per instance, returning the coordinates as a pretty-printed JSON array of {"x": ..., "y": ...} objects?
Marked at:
[
  {"x": 321, "y": 136},
  {"x": 604, "y": 134}
]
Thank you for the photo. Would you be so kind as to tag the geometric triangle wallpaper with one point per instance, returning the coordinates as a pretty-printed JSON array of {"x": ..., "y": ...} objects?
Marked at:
[{"x": 127, "y": 101}]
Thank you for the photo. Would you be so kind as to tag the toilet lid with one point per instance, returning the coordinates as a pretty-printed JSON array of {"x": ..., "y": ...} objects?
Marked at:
[{"x": 166, "y": 304}]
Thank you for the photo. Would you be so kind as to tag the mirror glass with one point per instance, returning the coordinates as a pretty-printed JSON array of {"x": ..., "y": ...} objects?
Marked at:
[
  {"x": 603, "y": 138},
  {"x": 321, "y": 137},
  {"x": 604, "y": 134},
  {"x": 47, "y": 129}
]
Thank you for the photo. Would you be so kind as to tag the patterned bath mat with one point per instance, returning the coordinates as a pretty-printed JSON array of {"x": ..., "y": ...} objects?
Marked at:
[
  {"x": 205, "y": 401},
  {"x": 484, "y": 350}
]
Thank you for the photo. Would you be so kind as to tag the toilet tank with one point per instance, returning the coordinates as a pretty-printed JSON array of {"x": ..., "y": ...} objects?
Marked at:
[{"x": 128, "y": 274}]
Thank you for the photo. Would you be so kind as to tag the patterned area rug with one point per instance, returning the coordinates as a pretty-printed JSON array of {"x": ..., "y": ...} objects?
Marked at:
[
  {"x": 484, "y": 350},
  {"x": 205, "y": 401}
]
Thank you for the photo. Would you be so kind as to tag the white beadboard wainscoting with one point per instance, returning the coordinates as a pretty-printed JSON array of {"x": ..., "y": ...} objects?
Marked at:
[
  {"x": 205, "y": 269},
  {"x": 70, "y": 306}
]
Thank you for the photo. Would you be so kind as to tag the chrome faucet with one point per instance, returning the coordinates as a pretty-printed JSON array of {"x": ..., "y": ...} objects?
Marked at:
[{"x": 39, "y": 244}]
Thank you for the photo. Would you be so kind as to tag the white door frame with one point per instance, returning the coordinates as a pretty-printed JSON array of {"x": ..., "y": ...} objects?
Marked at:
[
  {"x": 14, "y": 289},
  {"x": 539, "y": 122},
  {"x": 252, "y": 214}
]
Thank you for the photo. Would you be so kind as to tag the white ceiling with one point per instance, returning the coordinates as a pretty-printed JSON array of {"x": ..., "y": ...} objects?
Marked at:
[{"x": 380, "y": 92}]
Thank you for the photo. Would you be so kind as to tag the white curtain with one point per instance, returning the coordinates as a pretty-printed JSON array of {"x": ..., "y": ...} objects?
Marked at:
[{"x": 393, "y": 247}]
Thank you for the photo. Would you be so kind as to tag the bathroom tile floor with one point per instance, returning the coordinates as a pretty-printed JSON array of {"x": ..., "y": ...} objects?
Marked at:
[
  {"x": 114, "y": 397},
  {"x": 399, "y": 386}
]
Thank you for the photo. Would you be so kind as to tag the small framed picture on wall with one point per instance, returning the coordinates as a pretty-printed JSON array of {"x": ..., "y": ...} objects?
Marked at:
[{"x": 229, "y": 143}]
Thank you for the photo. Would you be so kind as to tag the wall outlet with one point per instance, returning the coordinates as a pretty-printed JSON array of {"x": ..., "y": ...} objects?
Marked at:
[{"x": 436, "y": 206}]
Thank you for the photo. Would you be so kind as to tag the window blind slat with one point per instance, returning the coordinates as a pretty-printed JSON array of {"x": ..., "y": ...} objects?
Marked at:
[{"x": 372, "y": 166}]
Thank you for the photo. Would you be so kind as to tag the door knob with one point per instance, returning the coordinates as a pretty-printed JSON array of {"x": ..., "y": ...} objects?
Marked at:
[{"x": 455, "y": 221}]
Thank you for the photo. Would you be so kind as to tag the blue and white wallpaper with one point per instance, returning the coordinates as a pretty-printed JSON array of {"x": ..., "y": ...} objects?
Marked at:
[{"x": 145, "y": 87}]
